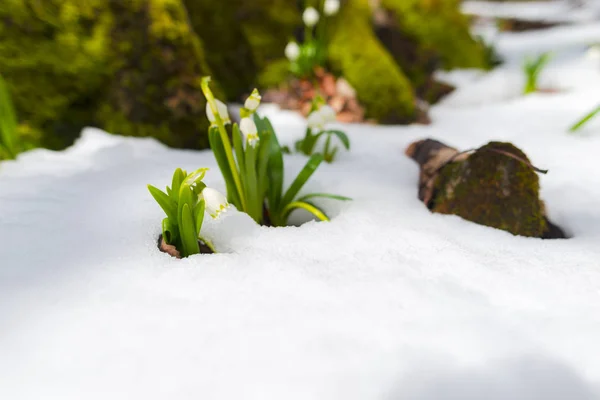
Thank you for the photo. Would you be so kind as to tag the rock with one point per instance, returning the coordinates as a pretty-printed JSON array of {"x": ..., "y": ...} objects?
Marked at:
[{"x": 495, "y": 185}]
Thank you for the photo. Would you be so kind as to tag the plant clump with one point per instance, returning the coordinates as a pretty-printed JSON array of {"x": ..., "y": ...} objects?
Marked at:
[{"x": 252, "y": 166}]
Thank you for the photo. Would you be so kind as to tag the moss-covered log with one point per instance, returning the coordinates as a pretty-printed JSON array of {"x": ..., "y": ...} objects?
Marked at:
[{"x": 495, "y": 186}]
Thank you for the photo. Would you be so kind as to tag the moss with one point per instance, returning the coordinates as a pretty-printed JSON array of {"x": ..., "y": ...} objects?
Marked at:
[
  {"x": 242, "y": 37},
  {"x": 439, "y": 26},
  {"x": 157, "y": 63},
  {"x": 274, "y": 74},
  {"x": 493, "y": 189},
  {"x": 356, "y": 54},
  {"x": 52, "y": 56}
]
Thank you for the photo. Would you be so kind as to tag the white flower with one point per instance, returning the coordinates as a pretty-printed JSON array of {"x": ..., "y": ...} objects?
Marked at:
[
  {"x": 292, "y": 51},
  {"x": 253, "y": 101},
  {"x": 248, "y": 128},
  {"x": 215, "y": 202},
  {"x": 328, "y": 114},
  {"x": 331, "y": 7},
  {"x": 315, "y": 120},
  {"x": 321, "y": 117},
  {"x": 221, "y": 109},
  {"x": 310, "y": 17}
]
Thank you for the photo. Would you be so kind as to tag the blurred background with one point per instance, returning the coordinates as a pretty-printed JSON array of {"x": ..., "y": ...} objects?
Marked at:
[{"x": 133, "y": 67}]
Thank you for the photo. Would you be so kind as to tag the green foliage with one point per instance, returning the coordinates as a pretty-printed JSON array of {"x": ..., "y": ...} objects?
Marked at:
[
  {"x": 588, "y": 117},
  {"x": 312, "y": 52},
  {"x": 279, "y": 204},
  {"x": 184, "y": 206},
  {"x": 320, "y": 115},
  {"x": 356, "y": 54},
  {"x": 439, "y": 26},
  {"x": 532, "y": 68},
  {"x": 52, "y": 56},
  {"x": 9, "y": 139},
  {"x": 307, "y": 145},
  {"x": 253, "y": 167}
]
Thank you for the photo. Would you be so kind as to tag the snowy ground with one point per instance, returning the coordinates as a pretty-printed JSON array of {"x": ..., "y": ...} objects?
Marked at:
[
  {"x": 385, "y": 302},
  {"x": 560, "y": 11}
]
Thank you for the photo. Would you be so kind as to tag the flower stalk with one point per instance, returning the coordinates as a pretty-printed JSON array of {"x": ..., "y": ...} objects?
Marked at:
[{"x": 210, "y": 98}]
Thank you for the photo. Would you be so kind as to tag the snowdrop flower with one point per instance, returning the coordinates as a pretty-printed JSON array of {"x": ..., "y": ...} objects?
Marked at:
[
  {"x": 253, "y": 101},
  {"x": 248, "y": 128},
  {"x": 315, "y": 120},
  {"x": 321, "y": 117},
  {"x": 331, "y": 7},
  {"x": 215, "y": 202},
  {"x": 221, "y": 109},
  {"x": 292, "y": 51},
  {"x": 327, "y": 114},
  {"x": 310, "y": 17}
]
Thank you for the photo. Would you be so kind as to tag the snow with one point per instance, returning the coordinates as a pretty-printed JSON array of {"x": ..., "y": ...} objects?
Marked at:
[
  {"x": 387, "y": 301},
  {"x": 559, "y": 11}
]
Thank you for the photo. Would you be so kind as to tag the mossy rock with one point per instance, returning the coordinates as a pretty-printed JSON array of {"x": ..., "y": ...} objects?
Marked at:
[
  {"x": 357, "y": 55},
  {"x": 439, "y": 27},
  {"x": 494, "y": 189},
  {"x": 157, "y": 62},
  {"x": 52, "y": 56},
  {"x": 241, "y": 38}
]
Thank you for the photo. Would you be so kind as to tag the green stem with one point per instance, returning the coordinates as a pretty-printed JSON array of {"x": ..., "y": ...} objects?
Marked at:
[{"x": 226, "y": 143}]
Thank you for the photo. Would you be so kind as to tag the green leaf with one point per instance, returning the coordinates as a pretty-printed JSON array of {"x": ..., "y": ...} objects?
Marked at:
[
  {"x": 330, "y": 156},
  {"x": 199, "y": 215},
  {"x": 8, "y": 122},
  {"x": 168, "y": 205},
  {"x": 585, "y": 119},
  {"x": 311, "y": 208},
  {"x": 170, "y": 231},
  {"x": 218, "y": 150},
  {"x": 262, "y": 163},
  {"x": 238, "y": 146},
  {"x": 313, "y": 163},
  {"x": 324, "y": 195},
  {"x": 342, "y": 136},
  {"x": 185, "y": 197},
  {"x": 275, "y": 169},
  {"x": 254, "y": 201},
  {"x": 189, "y": 237},
  {"x": 178, "y": 177}
]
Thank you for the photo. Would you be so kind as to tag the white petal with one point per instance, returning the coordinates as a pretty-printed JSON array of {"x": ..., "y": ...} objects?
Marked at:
[
  {"x": 331, "y": 7},
  {"x": 315, "y": 120},
  {"x": 215, "y": 202},
  {"x": 328, "y": 114},
  {"x": 253, "y": 101},
  {"x": 310, "y": 17},
  {"x": 292, "y": 51},
  {"x": 248, "y": 128},
  {"x": 221, "y": 109}
]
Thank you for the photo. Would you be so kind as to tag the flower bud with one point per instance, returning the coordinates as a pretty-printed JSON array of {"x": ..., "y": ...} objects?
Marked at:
[
  {"x": 248, "y": 128},
  {"x": 253, "y": 101},
  {"x": 310, "y": 17},
  {"x": 331, "y": 7},
  {"x": 292, "y": 51},
  {"x": 221, "y": 111}
]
